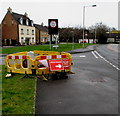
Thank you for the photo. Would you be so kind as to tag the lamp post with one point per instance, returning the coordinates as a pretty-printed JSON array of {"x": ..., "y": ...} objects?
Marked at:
[
  {"x": 84, "y": 21},
  {"x": 72, "y": 39}
]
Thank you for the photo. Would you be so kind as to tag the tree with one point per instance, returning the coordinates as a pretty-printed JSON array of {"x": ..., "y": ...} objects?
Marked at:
[
  {"x": 100, "y": 30},
  {"x": 97, "y": 31}
]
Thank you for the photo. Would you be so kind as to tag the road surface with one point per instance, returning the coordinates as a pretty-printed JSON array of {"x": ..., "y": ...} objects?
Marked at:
[
  {"x": 93, "y": 89},
  {"x": 110, "y": 52}
]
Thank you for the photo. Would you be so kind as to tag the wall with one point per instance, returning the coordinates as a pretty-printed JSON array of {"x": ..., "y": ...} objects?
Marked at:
[
  {"x": 9, "y": 28},
  {"x": 44, "y": 36},
  {"x": 25, "y": 35},
  {"x": 37, "y": 35}
]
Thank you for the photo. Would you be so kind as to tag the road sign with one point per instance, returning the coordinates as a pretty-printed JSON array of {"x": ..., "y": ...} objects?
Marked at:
[
  {"x": 66, "y": 63},
  {"x": 55, "y": 46},
  {"x": 53, "y": 26},
  {"x": 56, "y": 65}
]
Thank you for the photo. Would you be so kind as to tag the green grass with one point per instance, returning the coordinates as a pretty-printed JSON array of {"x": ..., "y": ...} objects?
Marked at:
[
  {"x": 0, "y": 89},
  {"x": 17, "y": 94},
  {"x": 62, "y": 47}
]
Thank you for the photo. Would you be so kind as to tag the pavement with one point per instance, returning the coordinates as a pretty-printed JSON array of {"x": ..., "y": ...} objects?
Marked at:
[{"x": 82, "y": 50}]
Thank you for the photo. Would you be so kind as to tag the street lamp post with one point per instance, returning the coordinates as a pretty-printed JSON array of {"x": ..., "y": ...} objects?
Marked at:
[
  {"x": 72, "y": 39},
  {"x": 84, "y": 21}
]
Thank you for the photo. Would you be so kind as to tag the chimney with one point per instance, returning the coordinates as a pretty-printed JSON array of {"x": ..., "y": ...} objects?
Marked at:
[
  {"x": 42, "y": 23},
  {"x": 9, "y": 10},
  {"x": 26, "y": 14}
]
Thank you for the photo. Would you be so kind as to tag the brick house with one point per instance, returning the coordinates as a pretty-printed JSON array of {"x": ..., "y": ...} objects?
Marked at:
[
  {"x": 42, "y": 35},
  {"x": 17, "y": 29}
]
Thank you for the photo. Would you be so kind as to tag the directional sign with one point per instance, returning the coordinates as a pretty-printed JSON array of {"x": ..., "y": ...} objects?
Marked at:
[{"x": 56, "y": 65}]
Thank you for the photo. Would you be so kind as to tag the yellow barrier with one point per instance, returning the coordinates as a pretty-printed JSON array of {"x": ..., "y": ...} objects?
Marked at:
[{"x": 38, "y": 62}]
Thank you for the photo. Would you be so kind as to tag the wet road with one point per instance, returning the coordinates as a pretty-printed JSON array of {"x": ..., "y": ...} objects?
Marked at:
[
  {"x": 110, "y": 52},
  {"x": 93, "y": 89}
]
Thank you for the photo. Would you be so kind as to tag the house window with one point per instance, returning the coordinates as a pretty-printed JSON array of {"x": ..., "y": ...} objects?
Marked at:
[
  {"x": 33, "y": 40},
  {"x": 12, "y": 21},
  {"x": 22, "y": 40},
  {"x": 31, "y": 23},
  {"x": 27, "y": 31},
  {"x": 22, "y": 31},
  {"x": 21, "y": 20},
  {"x": 32, "y": 32},
  {"x": 26, "y": 21}
]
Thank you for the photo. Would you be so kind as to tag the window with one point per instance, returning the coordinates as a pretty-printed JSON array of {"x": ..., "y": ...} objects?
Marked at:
[
  {"x": 22, "y": 40},
  {"x": 33, "y": 40},
  {"x": 21, "y": 20},
  {"x": 31, "y": 23},
  {"x": 43, "y": 40},
  {"x": 32, "y": 32},
  {"x": 4, "y": 22},
  {"x": 26, "y": 21},
  {"x": 12, "y": 21},
  {"x": 27, "y": 31},
  {"x": 22, "y": 31}
]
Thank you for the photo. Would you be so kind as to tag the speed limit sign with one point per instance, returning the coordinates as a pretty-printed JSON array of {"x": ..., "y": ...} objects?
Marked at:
[{"x": 53, "y": 26}]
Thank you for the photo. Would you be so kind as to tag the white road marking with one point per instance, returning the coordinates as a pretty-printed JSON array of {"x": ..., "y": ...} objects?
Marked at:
[
  {"x": 105, "y": 60},
  {"x": 82, "y": 56},
  {"x": 94, "y": 54},
  {"x": 98, "y": 54}
]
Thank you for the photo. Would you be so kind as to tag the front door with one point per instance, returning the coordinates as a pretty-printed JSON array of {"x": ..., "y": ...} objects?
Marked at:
[
  {"x": 27, "y": 41},
  {"x": 7, "y": 42}
]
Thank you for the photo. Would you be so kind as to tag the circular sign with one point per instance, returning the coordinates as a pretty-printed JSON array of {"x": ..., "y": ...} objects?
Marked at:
[{"x": 53, "y": 24}]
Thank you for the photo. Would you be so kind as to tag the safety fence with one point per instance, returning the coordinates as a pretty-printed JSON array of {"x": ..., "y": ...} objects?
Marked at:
[{"x": 38, "y": 62}]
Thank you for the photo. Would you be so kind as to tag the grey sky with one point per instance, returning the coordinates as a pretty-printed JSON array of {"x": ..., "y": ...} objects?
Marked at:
[{"x": 69, "y": 12}]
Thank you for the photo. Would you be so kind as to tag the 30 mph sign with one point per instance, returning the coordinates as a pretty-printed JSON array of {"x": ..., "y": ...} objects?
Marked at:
[
  {"x": 53, "y": 24},
  {"x": 56, "y": 65}
]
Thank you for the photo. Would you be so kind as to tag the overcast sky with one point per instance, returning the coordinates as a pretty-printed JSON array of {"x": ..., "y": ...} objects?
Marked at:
[{"x": 68, "y": 12}]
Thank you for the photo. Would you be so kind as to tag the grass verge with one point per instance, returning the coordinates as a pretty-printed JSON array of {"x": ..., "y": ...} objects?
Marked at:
[
  {"x": 17, "y": 94},
  {"x": 0, "y": 90},
  {"x": 62, "y": 47}
]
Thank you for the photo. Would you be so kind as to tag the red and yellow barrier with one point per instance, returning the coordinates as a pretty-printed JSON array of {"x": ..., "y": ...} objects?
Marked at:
[{"x": 38, "y": 62}]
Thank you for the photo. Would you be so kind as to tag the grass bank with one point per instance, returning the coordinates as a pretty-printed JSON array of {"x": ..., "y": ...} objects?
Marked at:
[
  {"x": 17, "y": 94},
  {"x": 62, "y": 47}
]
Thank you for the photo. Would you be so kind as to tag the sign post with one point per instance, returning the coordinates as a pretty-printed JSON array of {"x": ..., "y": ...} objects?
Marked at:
[{"x": 52, "y": 28}]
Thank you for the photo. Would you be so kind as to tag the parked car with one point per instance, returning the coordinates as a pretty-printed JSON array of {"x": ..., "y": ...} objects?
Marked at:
[{"x": 83, "y": 42}]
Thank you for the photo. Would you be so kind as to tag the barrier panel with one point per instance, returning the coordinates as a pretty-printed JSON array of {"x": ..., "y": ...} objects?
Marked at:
[{"x": 38, "y": 62}]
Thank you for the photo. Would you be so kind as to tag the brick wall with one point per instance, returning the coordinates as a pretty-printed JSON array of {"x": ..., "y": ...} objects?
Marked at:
[
  {"x": 9, "y": 29},
  {"x": 37, "y": 35}
]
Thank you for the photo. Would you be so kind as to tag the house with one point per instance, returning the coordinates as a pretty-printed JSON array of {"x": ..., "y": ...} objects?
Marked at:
[
  {"x": 42, "y": 35},
  {"x": 17, "y": 29},
  {"x": 113, "y": 36}
]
